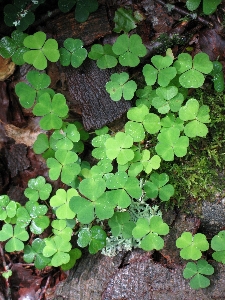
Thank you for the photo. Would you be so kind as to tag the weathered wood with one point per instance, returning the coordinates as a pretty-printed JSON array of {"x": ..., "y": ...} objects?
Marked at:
[{"x": 86, "y": 86}]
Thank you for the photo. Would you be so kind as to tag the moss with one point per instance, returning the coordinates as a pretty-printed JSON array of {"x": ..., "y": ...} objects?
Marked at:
[{"x": 199, "y": 175}]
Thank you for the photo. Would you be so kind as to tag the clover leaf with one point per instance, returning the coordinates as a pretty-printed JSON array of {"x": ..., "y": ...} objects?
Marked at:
[
  {"x": 74, "y": 254},
  {"x": 125, "y": 20},
  {"x": 37, "y": 85},
  {"x": 218, "y": 244},
  {"x": 209, "y": 7},
  {"x": 34, "y": 254},
  {"x": 73, "y": 53},
  {"x": 199, "y": 115},
  {"x": 37, "y": 215},
  {"x": 41, "y": 50},
  {"x": 144, "y": 163},
  {"x": 120, "y": 86},
  {"x": 38, "y": 188},
  {"x": 124, "y": 187},
  {"x": 52, "y": 111},
  {"x": 99, "y": 143},
  {"x": 145, "y": 96},
  {"x": 118, "y": 147},
  {"x": 104, "y": 56},
  {"x": 171, "y": 143},
  {"x": 171, "y": 121},
  {"x": 129, "y": 49},
  {"x": 120, "y": 223},
  {"x": 191, "y": 71},
  {"x": 162, "y": 72},
  {"x": 192, "y": 245},
  {"x": 167, "y": 98},
  {"x": 92, "y": 188},
  {"x": 57, "y": 249},
  {"x": 141, "y": 120},
  {"x": 66, "y": 137},
  {"x": 94, "y": 237},
  {"x": 60, "y": 203},
  {"x": 7, "y": 207},
  {"x": 196, "y": 272},
  {"x": 13, "y": 47},
  {"x": 149, "y": 232},
  {"x": 60, "y": 227},
  {"x": 64, "y": 164},
  {"x": 157, "y": 186},
  {"x": 15, "y": 236}
]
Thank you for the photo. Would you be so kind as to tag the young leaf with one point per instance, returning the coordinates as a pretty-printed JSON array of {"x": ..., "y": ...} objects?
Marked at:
[
  {"x": 60, "y": 202},
  {"x": 192, "y": 245},
  {"x": 124, "y": 20},
  {"x": 120, "y": 223},
  {"x": 120, "y": 86}
]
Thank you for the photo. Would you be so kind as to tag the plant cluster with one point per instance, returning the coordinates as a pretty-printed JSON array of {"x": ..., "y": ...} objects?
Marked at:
[{"x": 115, "y": 191}]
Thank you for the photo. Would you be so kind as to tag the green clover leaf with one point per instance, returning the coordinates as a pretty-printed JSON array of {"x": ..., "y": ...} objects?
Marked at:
[
  {"x": 192, "y": 245},
  {"x": 120, "y": 223},
  {"x": 191, "y": 71},
  {"x": 218, "y": 244},
  {"x": 52, "y": 111},
  {"x": 94, "y": 237},
  {"x": 118, "y": 147},
  {"x": 196, "y": 272},
  {"x": 13, "y": 47},
  {"x": 149, "y": 232},
  {"x": 92, "y": 188},
  {"x": 170, "y": 121},
  {"x": 199, "y": 115},
  {"x": 44, "y": 145},
  {"x": 66, "y": 137},
  {"x": 8, "y": 207},
  {"x": 34, "y": 254},
  {"x": 99, "y": 143},
  {"x": 15, "y": 236},
  {"x": 28, "y": 93},
  {"x": 129, "y": 49},
  {"x": 104, "y": 55},
  {"x": 42, "y": 50},
  {"x": 171, "y": 143},
  {"x": 73, "y": 53},
  {"x": 162, "y": 72},
  {"x": 218, "y": 79},
  {"x": 38, "y": 188},
  {"x": 157, "y": 186},
  {"x": 64, "y": 164},
  {"x": 120, "y": 86},
  {"x": 60, "y": 227},
  {"x": 36, "y": 212},
  {"x": 57, "y": 249},
  {"x": 84, "y": 8},
  {"x": 60, "y": 202},
  {"x": 145, "y": 96}
]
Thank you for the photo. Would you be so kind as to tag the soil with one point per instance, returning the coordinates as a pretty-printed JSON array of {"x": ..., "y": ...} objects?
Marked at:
[{"x": 129, "y": 275}]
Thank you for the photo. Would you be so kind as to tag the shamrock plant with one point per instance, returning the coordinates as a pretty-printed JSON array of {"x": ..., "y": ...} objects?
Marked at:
[
  {"x": 73, "y": 53},
  {"x": 104, "y": 56},
  {"x": 209, "y": 6},
  {"x": 149, "y": 231},
  {"x": 14, "y": 237},
  {"x": 7, "y": 207},
  {"x": 192, "y": 246},
  {"x": 125, "y": 20},
  {"x": 218, "y": 245},
  {"x": 41, "y": 50},
  {"x": 38, "y": 189},
  {"x": 196, "y": 272}
]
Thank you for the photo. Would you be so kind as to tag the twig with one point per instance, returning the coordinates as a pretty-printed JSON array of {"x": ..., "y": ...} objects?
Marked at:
[
  {"x": 8, "y": 290},
  {"x": 45, "y": 288},
  {"x": 184, "y": 12}
]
